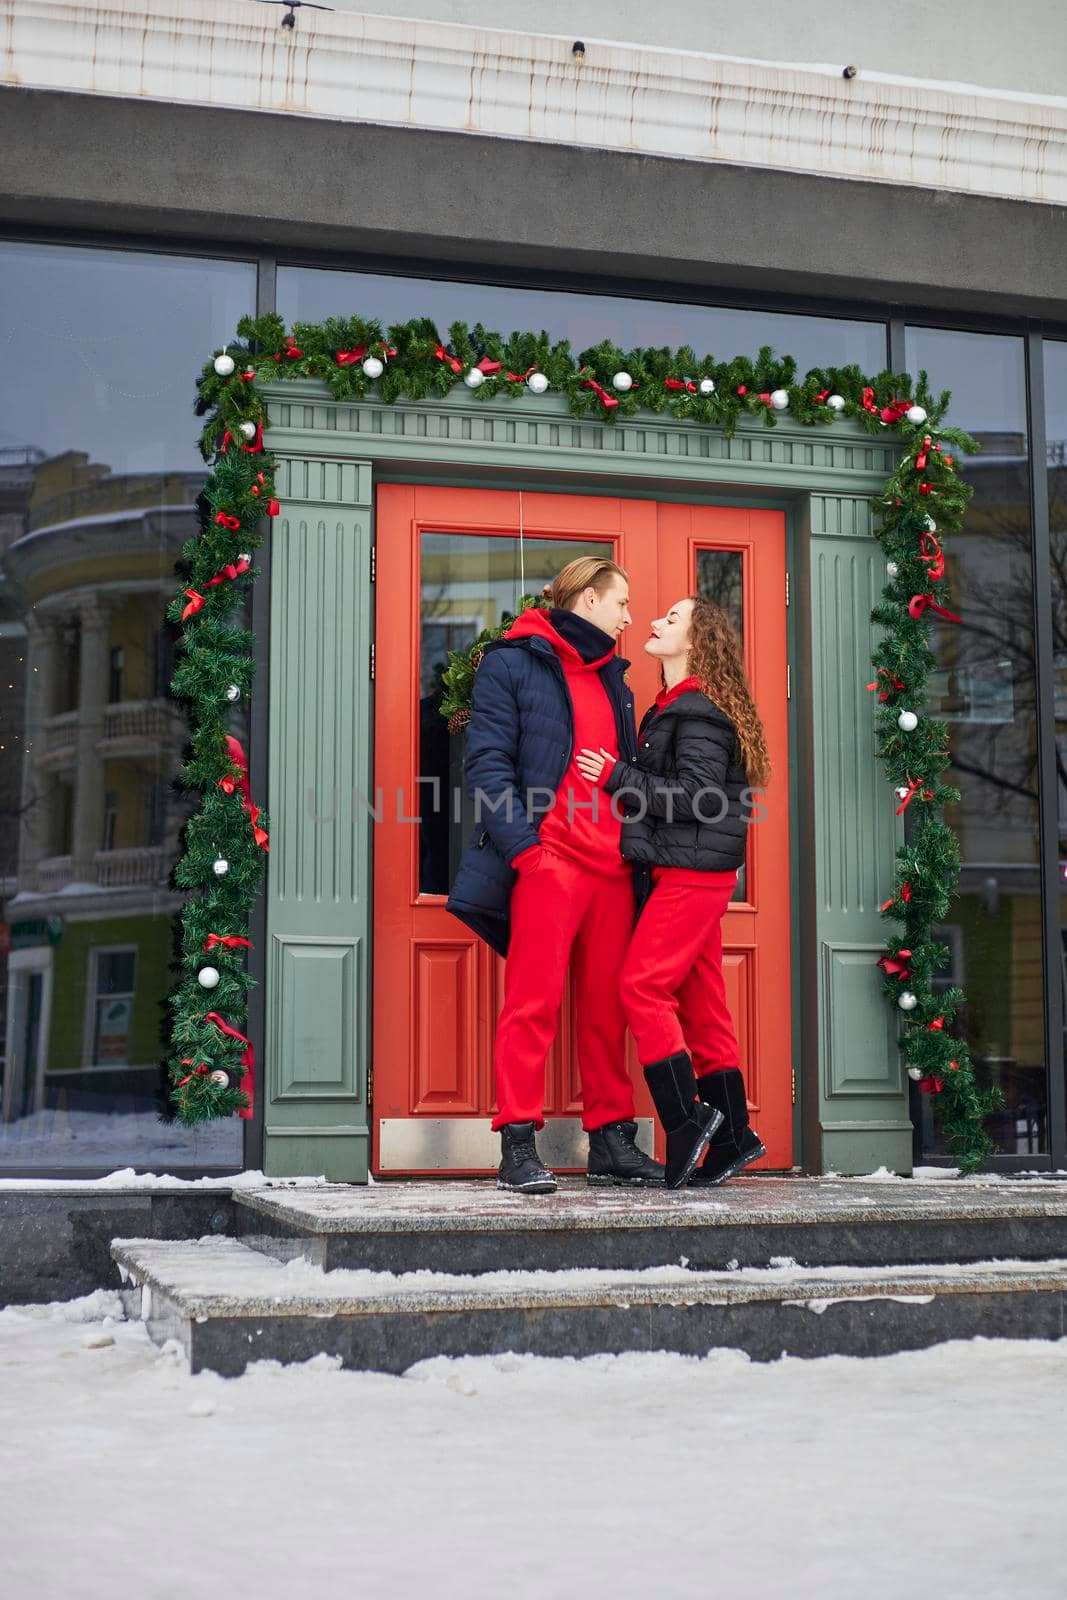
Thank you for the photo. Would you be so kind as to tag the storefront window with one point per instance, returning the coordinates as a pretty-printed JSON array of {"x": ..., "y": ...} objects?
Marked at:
[
  {"x": 1056, "y": 435},
  {"x": 985, "y": 691},
  {"x": 307, "y": 294},
  {"x": 99, "y": 472}
]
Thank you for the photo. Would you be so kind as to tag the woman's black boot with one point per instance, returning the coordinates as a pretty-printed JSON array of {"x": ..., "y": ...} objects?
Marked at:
[
  {"x": 734, "y": 1145},
  {"x": 688, "y": 1123}
]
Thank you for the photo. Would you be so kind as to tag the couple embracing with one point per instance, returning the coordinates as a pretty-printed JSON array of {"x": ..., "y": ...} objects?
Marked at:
[{"x": 613, "y": 852}]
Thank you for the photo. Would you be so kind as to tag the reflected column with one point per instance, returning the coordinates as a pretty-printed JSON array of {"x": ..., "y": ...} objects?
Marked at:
[
  {"x": 95, "y": 614},
  {"x": 38, "y": 785}
]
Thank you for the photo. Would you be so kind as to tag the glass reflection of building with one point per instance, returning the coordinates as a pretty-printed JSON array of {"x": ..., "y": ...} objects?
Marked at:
[{"x": 97, "y": 494}]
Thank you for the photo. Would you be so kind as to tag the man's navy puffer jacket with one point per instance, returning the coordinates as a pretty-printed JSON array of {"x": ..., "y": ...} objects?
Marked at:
[{"x": 519, "y": 743}]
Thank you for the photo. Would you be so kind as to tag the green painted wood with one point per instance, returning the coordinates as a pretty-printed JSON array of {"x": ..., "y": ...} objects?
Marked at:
[
  {"x": 863, "y": 1100},
  {"x": 318, "y": 994},
  {"x": 319, "y": 765}
]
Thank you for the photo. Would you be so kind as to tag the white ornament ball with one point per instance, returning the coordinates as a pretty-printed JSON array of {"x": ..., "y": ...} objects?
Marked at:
[
  {"x": 224, "y": 365},
  {"x": 915, "y": 1074},
  {"x": 474, "y": 378},
  {"x": 915, "y": 414},
  {"x": 221, "y": 1077},
  {"x": 836, "y": 402},
  {"x": 208, "y": 977},
  {"x": 220, "y": 867},
  {"x": 373, "y": 368},
  {"x": 622, "y": 381},
  {"x": 707, "y": 385},
  {"x": 901, "y": 793},
  {"x": 907, "y": 722},
  {"x": 537, "y": 383},
  {"x": 892, "y": 570},
  {"x": 779, "y": 399},
  {"x": 233, "y": 693},
  {"x": 931, "y": 525},
  {"x": 246, "y": 555},
  {"x": 907, "y": 1001},
  {"x": 248, "y": 429}
]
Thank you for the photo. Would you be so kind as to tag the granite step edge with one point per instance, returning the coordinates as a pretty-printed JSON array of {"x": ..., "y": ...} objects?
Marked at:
[{"x": 163, "y": 1267}]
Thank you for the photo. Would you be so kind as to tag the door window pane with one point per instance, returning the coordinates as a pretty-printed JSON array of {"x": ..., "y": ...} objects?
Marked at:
[
  {"x": 985, "y": 690},
  {"x": 99, "y": 473},
  {"x": 720, "y": 578},
  {"x": 309, "y": 294},
  {"x": 466, "y": 583}
]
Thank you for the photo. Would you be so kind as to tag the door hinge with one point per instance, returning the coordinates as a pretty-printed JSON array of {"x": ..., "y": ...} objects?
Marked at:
[
  {"x": 788, "y": 681},
  {"x": 372, "y": 663},
  {"x": 787, "y": 588},
  {"x": 793, "y": 1083},
  {"x": 374, "y": 563}
]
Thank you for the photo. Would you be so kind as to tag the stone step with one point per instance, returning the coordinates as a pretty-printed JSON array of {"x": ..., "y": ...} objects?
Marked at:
[
  {"x": 474, "y": 1227},
  {"x": 228, "y": 1305}
]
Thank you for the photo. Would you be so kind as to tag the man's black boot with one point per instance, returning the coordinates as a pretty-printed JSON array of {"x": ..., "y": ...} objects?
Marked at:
[
  {"x": 735, "y": 1144},
  {"x": 616, "y": 1157},
  {"x": 520, "y": 1165},
  {"x": 688, "y": 1123}
]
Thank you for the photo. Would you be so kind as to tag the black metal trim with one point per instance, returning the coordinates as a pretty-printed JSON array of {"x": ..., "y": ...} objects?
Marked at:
[{"x": 1051, "y": 884}]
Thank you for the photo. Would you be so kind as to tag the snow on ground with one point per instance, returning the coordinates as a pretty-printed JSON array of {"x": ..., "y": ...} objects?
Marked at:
[{"x": 942, "y": 1472}]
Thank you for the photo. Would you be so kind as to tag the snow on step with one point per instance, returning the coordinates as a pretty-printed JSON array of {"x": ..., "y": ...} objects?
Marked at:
[
  {"x": 219, "y": 1277},
  {"x": 462, "y": 1206}
]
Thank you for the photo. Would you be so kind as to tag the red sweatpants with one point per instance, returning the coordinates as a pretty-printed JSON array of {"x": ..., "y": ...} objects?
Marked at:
[
  {"x": 563, "y": 915},
  {"x": 672, "y": 987}
]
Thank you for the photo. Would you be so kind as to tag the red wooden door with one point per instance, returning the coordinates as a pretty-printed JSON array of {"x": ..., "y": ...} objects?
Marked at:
[{"x": 450, "y": 562}]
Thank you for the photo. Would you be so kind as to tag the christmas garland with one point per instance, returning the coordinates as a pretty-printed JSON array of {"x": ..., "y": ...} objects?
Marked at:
[{"x": 211, "y": 1069}]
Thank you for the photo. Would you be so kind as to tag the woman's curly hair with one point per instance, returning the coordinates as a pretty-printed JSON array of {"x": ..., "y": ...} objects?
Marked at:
[{"x": 715, "y": 658}]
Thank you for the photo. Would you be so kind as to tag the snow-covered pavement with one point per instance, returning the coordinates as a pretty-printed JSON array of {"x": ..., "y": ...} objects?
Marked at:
[{"x": 942, "y": 1472}]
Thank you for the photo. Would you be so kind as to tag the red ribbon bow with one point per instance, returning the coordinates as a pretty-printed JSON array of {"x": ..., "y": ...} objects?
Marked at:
[
  {"x": 896, "y": 966},
  {"x": 936, "y": 1026},
  {"x": 200, "y": 1071},
  {"x": 920, "y": 602},
  {"x": 490, "y": 368},
  {"x": 895, "y": 683},
  {"x": 914, "y": 785},
  {"x": 229, "y": 783},
  {"x": 232, "y": 569},
  {"x": 388, "y": 350},
  {"x": 196, "y": 603},
  {"x": 765, "y": 397},
  {"x": 905, "y": 895},
  {"x": 931, "y": 1085},
  {"x": 248, "y": 1060},
  {"x": 821, "y": 396},
  {"x": 226, "y": 521},
  {"x": 920, "y": 459},
  {"x": 249, "y": 449},
  {"x": 869, "y": 402},
  {"x": 933, "y": 555},
  {"x": 680, "y": 383},
  {"x": 348, "y": 358},
  {"x": 608, "y": 401},
  {"x": 442, "y": 355},
  {"x": 521, "y": 377},
  {"x": 293, "y": 351},
  {"x": 230, "y": 940},
  {"x": 894, "y": 411}
]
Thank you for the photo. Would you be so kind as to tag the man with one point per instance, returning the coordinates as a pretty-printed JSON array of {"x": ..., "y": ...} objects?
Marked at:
[{"x": 543, "y": 881}]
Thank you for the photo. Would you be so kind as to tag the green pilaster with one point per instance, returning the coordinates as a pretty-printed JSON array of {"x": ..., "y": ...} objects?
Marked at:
[
  {"x": 318, "y": 905},
  {"x": 863, "y": 1101}
]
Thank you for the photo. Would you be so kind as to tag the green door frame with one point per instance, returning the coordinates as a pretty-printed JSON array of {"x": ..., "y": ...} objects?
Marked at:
[{"x": 851, "y": 1092}]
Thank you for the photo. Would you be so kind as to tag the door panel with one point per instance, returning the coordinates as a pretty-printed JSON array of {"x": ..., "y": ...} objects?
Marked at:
[{"x": 449, "y": 562}]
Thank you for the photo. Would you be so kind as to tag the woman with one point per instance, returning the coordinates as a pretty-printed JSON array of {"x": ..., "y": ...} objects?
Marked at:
[{"x": 700, "y": 748}]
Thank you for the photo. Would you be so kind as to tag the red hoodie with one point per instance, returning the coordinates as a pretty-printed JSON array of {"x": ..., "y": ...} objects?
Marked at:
[{"x": 569, "y": 829}]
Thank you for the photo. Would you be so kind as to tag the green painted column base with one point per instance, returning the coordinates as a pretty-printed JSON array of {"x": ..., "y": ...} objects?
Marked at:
[{"x": 340, "y": 1155}]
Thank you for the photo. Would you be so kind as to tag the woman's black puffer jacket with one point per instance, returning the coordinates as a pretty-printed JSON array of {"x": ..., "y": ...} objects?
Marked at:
[{"x": 686, "y": 797}]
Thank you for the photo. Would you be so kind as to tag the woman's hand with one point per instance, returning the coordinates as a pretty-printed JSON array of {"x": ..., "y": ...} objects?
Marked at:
[{"x": 591, "y": 763}]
